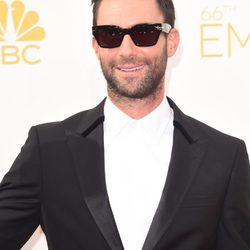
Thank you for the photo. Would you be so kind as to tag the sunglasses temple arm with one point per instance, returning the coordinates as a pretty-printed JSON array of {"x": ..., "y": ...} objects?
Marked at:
[{"x": 165, "y": 27}]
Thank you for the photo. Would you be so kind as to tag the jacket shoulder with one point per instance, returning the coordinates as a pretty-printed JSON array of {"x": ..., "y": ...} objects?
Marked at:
[
  {"x": 194, "y": 129},
  {"x": 56, "y": 130},
  {"x": 217, "y": 139}
]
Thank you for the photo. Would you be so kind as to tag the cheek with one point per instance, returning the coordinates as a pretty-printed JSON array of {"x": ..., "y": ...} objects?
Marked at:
[
  {"x": 157, "y": 50},
  {"x": 107, "y": 60},
  {"x": 156, "y": 55},
  {"x": 107, "y": 54},
  {"x": 162, "y": 43}
]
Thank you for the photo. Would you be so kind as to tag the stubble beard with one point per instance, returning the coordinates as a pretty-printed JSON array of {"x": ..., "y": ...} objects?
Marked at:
[{"x": 146, "y": 87}]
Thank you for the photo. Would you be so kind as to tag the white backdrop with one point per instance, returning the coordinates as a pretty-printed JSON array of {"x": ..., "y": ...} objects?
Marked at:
[{"x": 54, "y": 73}]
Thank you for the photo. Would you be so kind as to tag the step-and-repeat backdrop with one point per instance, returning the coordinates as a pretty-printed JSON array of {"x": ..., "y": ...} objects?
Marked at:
[{"x": 48, "y": 69}]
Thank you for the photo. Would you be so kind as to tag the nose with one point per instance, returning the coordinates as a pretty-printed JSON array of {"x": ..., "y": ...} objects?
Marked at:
[{"x": 127, "y": 47}]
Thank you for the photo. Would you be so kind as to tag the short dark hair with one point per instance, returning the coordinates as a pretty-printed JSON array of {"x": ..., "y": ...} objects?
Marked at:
[{"x": 166, "y": 6}]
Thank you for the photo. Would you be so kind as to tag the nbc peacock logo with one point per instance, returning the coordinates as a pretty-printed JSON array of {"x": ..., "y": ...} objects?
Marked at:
[{"x": 19, "y": 34}]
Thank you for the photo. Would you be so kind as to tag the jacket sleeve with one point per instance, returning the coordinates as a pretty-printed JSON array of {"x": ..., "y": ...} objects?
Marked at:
[
  {"x": 20, "y": 192},
  {"x": 234, "y": 227}
]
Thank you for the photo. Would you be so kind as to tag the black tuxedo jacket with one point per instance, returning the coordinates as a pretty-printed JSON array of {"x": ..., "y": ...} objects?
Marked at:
[{"x": 58, "y": 181}]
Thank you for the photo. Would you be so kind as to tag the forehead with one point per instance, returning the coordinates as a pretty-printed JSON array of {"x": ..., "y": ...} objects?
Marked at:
[{"x": 126, "y": 13}]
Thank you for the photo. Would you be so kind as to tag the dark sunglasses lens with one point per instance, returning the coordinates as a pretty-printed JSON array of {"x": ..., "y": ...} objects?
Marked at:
[
  {"x": 108, "y": 37},
  {"x": 145, "y": 35}
]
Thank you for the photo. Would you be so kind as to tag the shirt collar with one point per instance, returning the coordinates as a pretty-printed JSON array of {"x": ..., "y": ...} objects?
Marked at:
[{"x": 154, "y": 123}]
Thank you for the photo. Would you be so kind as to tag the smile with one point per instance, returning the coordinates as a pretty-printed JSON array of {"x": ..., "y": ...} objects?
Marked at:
[{"x": 131, "y": 69}]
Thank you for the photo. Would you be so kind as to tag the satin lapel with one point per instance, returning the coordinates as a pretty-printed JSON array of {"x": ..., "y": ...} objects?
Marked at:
[
  {"x": 88, "y": 157},
  {"x": 185, "y": 161}
]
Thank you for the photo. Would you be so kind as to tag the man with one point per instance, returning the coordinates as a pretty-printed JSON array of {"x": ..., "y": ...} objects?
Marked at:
[{"x": 134, "y": 172}]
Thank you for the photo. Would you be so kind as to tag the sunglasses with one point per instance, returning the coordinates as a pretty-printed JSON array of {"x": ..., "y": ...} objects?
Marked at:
[{"x": 143, "y": 35}]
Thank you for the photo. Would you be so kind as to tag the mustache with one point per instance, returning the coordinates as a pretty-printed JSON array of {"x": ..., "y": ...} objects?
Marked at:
[{"x": 129, "y": 60}]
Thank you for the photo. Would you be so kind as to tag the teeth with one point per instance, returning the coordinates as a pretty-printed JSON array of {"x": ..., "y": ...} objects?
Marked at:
[{"x": 132, "y": 69}]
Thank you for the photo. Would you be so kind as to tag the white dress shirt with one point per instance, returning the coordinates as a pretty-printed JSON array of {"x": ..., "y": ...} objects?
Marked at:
[{"x": 137, "y": 156}]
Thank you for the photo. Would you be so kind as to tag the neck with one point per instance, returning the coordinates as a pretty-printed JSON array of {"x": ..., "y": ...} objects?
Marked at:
[{"x": 137, "y": 108}]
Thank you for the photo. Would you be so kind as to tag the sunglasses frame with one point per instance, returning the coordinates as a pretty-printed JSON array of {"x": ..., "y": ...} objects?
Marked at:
[{"x": 160, "y": 27}]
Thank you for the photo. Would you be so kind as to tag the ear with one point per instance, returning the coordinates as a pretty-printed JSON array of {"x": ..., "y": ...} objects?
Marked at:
[
  {"x": 95, "y": 47},
  {"x": 173, "y": 40}
]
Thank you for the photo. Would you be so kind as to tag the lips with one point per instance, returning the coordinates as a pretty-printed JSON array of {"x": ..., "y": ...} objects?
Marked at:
[{"x": 130, "y": 68}]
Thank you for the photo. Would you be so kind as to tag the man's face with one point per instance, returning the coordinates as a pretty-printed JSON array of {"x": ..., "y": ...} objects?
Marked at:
[{"x": 131, "y": 71}]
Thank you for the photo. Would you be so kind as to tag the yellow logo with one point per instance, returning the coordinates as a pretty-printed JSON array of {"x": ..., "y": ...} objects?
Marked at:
[
  {"x": 19, "y": 25},
  {"x": 219, "y": 37}
]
